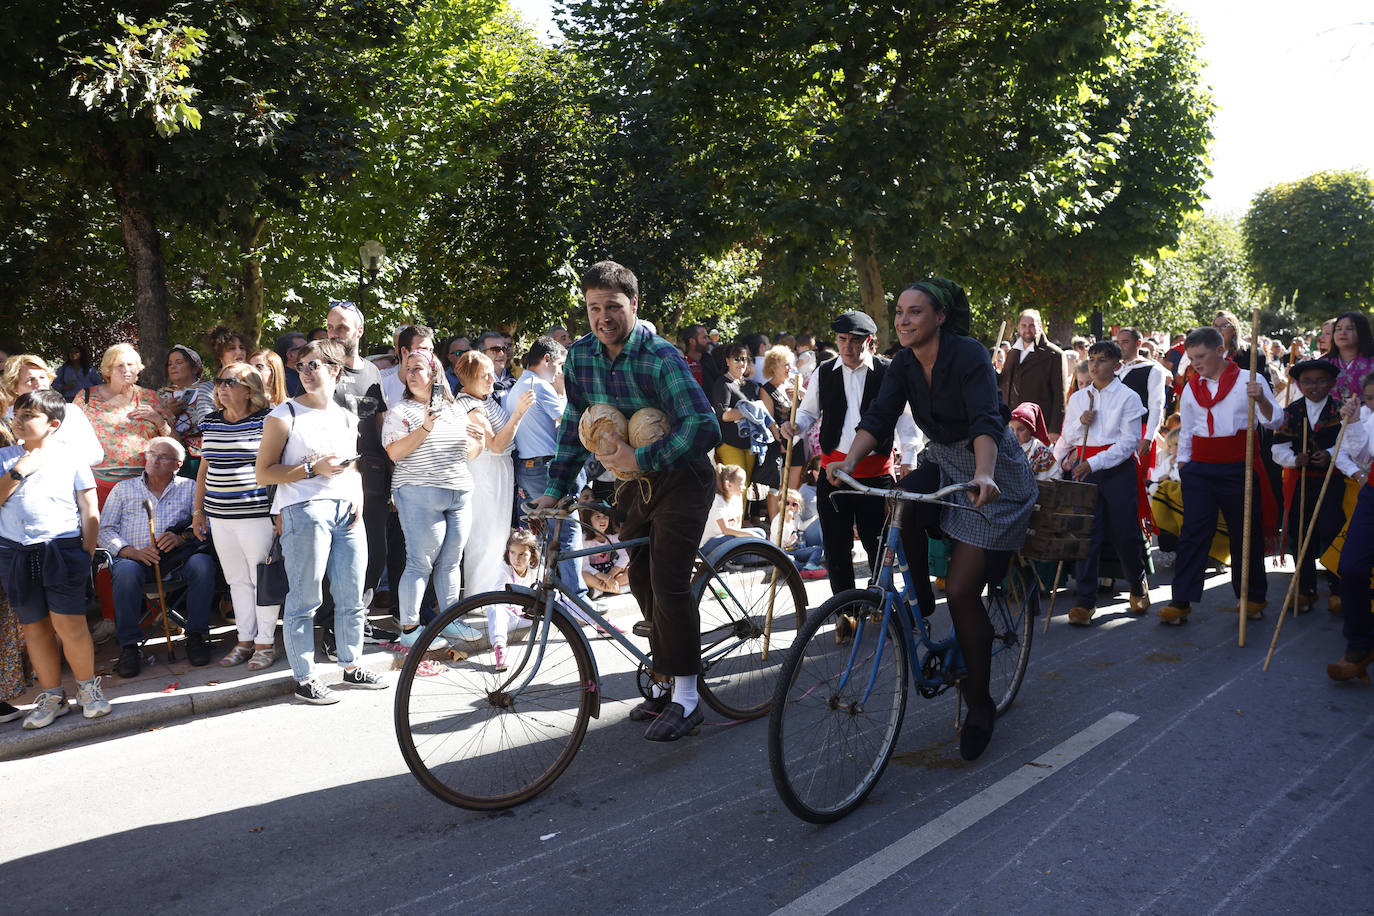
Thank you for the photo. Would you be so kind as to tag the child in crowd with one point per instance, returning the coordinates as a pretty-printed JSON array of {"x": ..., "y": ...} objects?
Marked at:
[
  {"x": 1098, "y": 445},
  {"x": 48, "y": 524},
  {"x": 1306, "y": 442},
  {"x": 726, "y": 518},
  {"x": 1213, "y": 410},
  {"x": 1166, "y": 461},
  {"x": 1028, "y": 425},
  {"x": 605, "y": 573},
  {"x": 522, "y": 564},
  {"x": 809, "y": 559},
  {"x": 808, "y": 519}
]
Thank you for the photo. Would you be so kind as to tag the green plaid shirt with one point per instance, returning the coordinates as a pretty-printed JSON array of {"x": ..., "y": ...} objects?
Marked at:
[{"x": 649, "y": 372}]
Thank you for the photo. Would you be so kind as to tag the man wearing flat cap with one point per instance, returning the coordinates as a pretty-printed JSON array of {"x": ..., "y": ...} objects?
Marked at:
[
  {"x": 1306, "y": 442},
  {"x": 840, "y": 392}
]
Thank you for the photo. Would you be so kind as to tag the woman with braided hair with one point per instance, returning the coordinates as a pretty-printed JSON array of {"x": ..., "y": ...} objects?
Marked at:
[{"x": 948, "y": 380}]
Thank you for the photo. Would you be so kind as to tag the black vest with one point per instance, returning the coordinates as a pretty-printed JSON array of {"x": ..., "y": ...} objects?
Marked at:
[
  {"x": 833, "y": 402},
  {"x": 1138, "y": 380}
]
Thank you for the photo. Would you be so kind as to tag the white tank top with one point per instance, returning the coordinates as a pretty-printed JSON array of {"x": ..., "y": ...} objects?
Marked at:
[{"x": 332, "y": 430}]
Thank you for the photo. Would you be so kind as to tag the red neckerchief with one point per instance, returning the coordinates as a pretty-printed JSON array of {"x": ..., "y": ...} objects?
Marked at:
[{"x": 1205, "y": 399}]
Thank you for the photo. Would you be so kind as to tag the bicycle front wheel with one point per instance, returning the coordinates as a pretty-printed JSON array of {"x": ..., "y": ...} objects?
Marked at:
[
  {"x": 1012, "y": 607},
  {"x": 751, "y": 603},
  {"x": 485, "y": 739},
  {"x": 838, "y": 707}
]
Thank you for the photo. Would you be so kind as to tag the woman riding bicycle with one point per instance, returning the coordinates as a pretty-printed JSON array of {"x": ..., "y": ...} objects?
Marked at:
[{"x": 948, "y": 379}]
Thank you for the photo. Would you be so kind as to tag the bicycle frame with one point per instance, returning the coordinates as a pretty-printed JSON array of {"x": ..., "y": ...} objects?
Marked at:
[{"x": 549, "y": 589}]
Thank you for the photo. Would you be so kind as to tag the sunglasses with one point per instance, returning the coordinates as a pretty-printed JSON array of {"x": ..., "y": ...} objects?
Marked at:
[
  {"x": 314, "y": 365},
  {"x": 497, "y": 349},
  {"x": 739, "y": 359},
  {"x": 229, "y": 381}
]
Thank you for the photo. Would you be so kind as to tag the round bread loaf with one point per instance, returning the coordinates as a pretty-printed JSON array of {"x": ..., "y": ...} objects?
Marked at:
[
  {"x": 649, "y": 424},
  {"x": 594, "y": 429}
]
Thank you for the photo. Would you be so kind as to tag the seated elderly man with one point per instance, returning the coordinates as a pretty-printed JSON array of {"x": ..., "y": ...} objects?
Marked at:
[{"x": 124, "y": 533}]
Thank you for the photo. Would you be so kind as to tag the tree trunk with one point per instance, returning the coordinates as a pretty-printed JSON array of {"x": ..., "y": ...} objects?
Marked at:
[
  {"x": 147, "y": 270},
  {"x": 250, "y": 280},
  {"x": 865, "y": 259}
]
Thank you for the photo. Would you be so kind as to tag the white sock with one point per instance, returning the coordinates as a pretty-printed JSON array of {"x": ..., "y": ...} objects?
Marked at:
[
  {"x": 685, "y": 692},
  {"x": 656, "y": 689}
]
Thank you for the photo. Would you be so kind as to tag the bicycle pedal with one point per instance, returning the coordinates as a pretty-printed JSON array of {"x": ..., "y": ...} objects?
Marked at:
[{"x": 642, "y": 628}]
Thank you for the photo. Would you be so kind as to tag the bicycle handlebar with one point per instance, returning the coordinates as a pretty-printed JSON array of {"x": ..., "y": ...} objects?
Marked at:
[{"x": 936, "y": 498}]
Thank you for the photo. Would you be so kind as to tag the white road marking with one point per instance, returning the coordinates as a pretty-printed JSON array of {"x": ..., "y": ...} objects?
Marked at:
[{"x": 885, "y": 863}]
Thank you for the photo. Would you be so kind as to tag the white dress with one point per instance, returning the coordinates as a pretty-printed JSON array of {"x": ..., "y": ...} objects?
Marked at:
[{"x": 490, "y": 505}]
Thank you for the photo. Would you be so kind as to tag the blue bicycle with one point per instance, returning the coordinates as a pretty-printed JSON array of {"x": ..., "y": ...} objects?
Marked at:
[{"x": 841, "y": 694}]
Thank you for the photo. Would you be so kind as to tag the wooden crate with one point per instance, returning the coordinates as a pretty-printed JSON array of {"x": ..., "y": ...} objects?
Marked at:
[{"x": 1061, "y": 524}]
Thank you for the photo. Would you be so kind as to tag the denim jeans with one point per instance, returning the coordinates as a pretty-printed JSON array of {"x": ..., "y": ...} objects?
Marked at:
[
  {"x": 127, "y": 578},
  {"x": 316, "y": 538},
  {"x": 529, "y": 484},
  {"x": 435, "y": 521}
]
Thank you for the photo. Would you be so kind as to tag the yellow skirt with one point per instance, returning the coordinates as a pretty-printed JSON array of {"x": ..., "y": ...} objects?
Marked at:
[{"x": 1167, "y": 505}]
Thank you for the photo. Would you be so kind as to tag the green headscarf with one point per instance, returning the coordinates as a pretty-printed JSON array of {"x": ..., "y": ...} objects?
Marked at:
[{"x": 950, "y": 298}]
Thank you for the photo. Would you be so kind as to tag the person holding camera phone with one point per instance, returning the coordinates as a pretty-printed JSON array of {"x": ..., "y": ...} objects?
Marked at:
[{"x": 309, "y": 447}]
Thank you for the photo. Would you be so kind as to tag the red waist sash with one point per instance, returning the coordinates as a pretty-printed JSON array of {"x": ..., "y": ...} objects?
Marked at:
[
  {"x": 1219, "y": 449},
  {"x": 1143, "y": 511},
  {"x": 872, "y": 466}
]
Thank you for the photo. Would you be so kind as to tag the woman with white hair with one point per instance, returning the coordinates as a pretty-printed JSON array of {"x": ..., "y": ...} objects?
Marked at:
[{"x": 124, "y": 415}]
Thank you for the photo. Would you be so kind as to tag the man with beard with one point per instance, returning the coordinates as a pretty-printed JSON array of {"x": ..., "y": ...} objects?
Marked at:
[{"x": 1036, "y": 371}]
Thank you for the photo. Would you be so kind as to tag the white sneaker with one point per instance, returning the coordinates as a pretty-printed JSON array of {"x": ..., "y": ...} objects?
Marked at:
[
  {"x": 91, "y": 699},
  {"x": 51, "y": 705}
]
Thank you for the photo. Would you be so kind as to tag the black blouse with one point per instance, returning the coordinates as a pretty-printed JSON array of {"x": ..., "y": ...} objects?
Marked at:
[
  {"x": 727, "y": 393},
  {"x": 962, "y": 400}
]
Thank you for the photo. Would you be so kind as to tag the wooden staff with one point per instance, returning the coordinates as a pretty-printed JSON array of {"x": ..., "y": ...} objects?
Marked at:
[
  {"x": 1249, "y": 482},
  {"x": 1054, "y": 593},
  {"x": 1302, "y": 496},
  {"x": 157, "y": 574},
  {"x": 997, "y": 341},
  {"x": 786, "y": 471},
  {"x": 1307, "y": 538},
  {"x": 1292, "y": 361}
]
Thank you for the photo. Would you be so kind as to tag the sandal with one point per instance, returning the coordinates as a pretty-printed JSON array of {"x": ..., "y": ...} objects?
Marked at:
[
  {"x": 237, "y": 656},
  {"x": 262, "y": 658}
]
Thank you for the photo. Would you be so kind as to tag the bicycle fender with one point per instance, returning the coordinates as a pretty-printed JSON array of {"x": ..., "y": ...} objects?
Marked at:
[
  {"x": 764, "y": 547},
  {"x": 595, "y": 686}
]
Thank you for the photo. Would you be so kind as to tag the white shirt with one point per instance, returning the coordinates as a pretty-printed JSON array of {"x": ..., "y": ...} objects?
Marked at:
[
  {"x": 908, "y": 436},
  {"x": 1154, "y": 391},
  {"x": 1024, "y": 347},
  {"x": 1228, "y": 416},
  {"x": 1357, "y": 448},
  {"x": 1283, "y": 453},
  {"x": 1115, "y": 425}
]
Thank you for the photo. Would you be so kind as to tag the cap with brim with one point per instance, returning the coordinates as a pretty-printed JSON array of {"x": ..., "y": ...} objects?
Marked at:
[
  {"x": 1321, "y": 365},
  {"x": 854, "y": 323}
]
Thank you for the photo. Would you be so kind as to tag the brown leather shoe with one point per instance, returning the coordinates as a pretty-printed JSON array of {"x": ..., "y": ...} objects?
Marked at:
[
  {"x": 1080, "y": 616},
  {"x": 1349, "y": 669},
  {"x": 1173, "y": 614},
  {"x": 1140, "y": 604},
  {"x": 1254, "y": 610},
  {"x": 1333, "y": 603}
]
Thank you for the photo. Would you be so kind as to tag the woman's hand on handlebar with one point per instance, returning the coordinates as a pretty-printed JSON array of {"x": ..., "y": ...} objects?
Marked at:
[{"x": 987, "y": 491}]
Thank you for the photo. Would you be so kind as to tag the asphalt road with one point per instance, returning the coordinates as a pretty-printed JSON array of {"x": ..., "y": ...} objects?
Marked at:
[{"x": 1143, "y": 769}]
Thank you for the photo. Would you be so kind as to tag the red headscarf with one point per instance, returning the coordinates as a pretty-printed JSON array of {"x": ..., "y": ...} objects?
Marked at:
[{"x": 1029, "y": 413}]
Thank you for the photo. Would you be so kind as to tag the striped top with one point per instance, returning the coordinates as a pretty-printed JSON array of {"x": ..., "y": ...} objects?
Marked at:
[
  {"x": 230, "y": 451},
  {"x": 441, "y": 459}
]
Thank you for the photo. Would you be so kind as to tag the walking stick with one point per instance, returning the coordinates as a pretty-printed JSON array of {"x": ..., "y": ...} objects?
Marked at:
[
  {"x": 1249, "y": 484},
  {"x": 1302, "y": 497},
  {"x": 786, "y": 471},
  {"x": 1054, "y": 593},
  {"x": 1311, "y": 527},
  {"x": 157, "y": 574},
  {"x": 997, "y": 342}
]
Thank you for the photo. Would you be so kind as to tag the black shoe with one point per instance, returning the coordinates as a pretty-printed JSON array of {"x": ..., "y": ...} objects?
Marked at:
[
  {"x": 375, "y": 635},
  {"x": 671, "y": 724},
  {"x": 365, "y": 678},
  {"x": 649, "y": 709},
  {"x": 198, "y": 649},
  {"x": 977, "y": 730},
  {"x": 130, "y": 662},
  {"x": 8, "y": 713},
  {"x": 331, "y": 649}
]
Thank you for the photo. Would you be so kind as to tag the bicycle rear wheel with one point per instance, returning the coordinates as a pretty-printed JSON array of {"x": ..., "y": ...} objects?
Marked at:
[
  {"x": 485, "y": 739},
  {"x": 829, "y": 735},
  {"x": 752, "y": 598},
  {"x": 1012, "y": 606}
]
